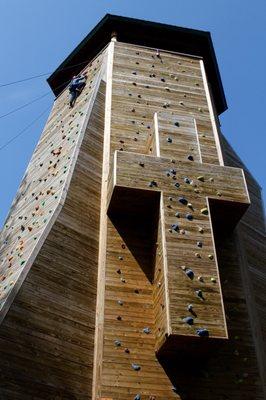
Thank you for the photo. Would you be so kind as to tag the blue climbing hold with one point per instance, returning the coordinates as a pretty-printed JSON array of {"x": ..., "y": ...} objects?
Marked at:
[
  {"x": 188, "y": 320},
  {"x": 177, "y": 185},
  {"x": 137, "y": 397},
  {"x": 202, "y": 332},
  {"x": 189, "y": 217},
  {"x": 190, "y": 157},
  {"x": 117, "y": 343},
  {"x": 182, "y": 200},
  {"x": 189, "y": 273},
  {"x": 177, "y": 214},
  {"x": 175, "y": 227},
  {"x": 190, "y": 307}
]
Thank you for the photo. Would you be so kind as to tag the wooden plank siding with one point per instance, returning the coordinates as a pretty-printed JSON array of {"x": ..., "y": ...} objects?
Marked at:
[
  {"x": 144, "y": 84},
  {"x": 43, "y": 187},
  {"x": 251, "y": 240},
  {"x": 47, "y": 337},
  {"x": 176, "y": 89}
]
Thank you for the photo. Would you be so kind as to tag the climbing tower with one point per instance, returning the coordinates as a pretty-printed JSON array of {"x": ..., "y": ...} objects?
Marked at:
[{"x": 132, "y": 257}]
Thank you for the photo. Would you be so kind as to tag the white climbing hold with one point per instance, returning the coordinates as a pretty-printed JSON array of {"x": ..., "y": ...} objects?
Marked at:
[
  {"x": 136, "y": 367},
  {"x": 146, "y": 330},
  {"x": 200, "y": 178}
]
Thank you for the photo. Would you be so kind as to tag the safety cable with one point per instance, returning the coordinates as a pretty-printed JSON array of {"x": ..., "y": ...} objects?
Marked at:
[
  {"x": 25, "y": 105},
  {"x": 24, "y": 129},
  {"x": 40, "y": 75}
]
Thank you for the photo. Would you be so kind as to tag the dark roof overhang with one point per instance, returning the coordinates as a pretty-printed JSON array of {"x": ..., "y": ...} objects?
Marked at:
[{"x": 145, "y": 33}]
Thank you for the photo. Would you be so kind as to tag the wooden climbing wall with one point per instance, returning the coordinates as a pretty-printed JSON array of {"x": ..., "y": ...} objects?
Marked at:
[
  {"x": 143, "y": 84},
  {"x": 43, "y": 188},
  {"x": 47, "y": 336}
]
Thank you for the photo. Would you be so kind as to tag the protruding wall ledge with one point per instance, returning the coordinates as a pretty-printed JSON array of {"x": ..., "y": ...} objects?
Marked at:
[{"x": 179, "y": 204}]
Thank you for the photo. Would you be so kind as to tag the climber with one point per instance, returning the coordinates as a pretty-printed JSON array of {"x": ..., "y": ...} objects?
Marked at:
[{"x": 76, "y": 86}]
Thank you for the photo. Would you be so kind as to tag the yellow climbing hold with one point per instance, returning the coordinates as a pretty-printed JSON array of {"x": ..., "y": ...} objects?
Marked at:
[
  {"x": 204, "y": 211},
  {"x": 200, "y": 178}
]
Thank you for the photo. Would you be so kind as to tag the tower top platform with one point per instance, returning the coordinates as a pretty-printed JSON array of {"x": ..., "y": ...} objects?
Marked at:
[{"x": 145, "y": 33}]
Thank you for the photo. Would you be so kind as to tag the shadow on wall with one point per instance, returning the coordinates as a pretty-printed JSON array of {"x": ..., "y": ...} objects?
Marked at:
[
  {"x": 229, "y": 370},
  {"x": 135, "y": 214}
]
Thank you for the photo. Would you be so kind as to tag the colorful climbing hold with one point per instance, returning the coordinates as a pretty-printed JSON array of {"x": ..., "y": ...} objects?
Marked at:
[
  {"x": 190, "y": 307},
  {"x": 152, "y": 184},
  {"x": 202, "y": 332},
  {"x": 188, "y": 320},
  {"x": 199, "y": 294},
  {"x": 175, "y": 227},
  {"x": 189, "y": 273},
  {"x": 183, "y": 200},
  {"x": 147, "y": 330},
  {"x": 136, "y": 367}
]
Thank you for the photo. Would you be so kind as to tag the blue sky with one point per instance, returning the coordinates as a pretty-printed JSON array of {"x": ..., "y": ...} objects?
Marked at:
[{"x": 37, "y": 35}]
